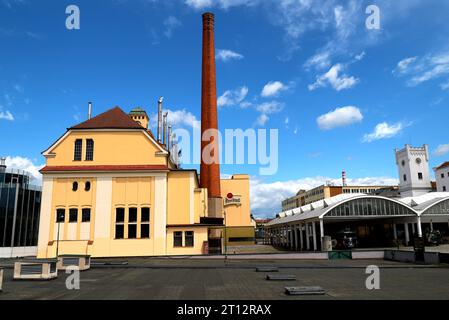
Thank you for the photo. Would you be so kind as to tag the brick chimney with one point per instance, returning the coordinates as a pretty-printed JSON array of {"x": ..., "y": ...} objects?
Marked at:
[{"x": 209, "y": 172}]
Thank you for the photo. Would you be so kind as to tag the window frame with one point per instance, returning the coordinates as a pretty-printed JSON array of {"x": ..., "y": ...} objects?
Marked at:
[
  {"x": 83, "y": 211},
  {"x": 71, "y": 211},
  {"x": 63, "y": 215},
  {"x": 89, "y": 150},
  {"x": 192, "y": 237},
  {"x": 177, "y": 235},
  {"x": 78, "y": 150}
]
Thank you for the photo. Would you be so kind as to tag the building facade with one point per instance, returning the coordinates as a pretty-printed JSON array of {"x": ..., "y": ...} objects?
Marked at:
[
  {"x": 413, "y": 169},
  {"x": 305, "y": 197},
  {"x": 110, "y": 189},
  {"x": 20, "y": 203},
  {"x": 442, "y": 177}
]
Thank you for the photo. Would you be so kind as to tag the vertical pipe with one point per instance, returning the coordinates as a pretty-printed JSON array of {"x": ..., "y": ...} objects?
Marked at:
[
  {"x": 418, "y": 225},
  {"x": 164, "y": 135},
  {"x": 89, "y": 110},
  {"x": 315, "y": 247},
  {"x": 159, "y": 119}
]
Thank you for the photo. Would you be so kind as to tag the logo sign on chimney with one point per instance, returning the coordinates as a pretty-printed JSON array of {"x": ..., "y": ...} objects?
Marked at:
[{"x": 232, "y": 199}]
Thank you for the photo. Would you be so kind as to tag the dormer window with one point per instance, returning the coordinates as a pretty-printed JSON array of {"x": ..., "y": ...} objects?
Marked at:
[
  {"x": 78, "y": 150},
  {"x": 89, "y": 150}
]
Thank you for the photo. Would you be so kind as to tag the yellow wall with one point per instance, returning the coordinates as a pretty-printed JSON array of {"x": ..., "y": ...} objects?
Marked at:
[
  {"x": 240, "y": 215},
  {"x": 110, "y": 148},
  {"x": 240, "y": 232},
  {"x": 200, "y": 236}
]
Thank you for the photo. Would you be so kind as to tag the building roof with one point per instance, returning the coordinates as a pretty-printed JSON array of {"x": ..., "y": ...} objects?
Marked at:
[
  {"x": 114, "y": 118},
  {"x": 104, "y": 168},
  {"x": 318, "y": 209},
  {"x": 443, "y": 165}
]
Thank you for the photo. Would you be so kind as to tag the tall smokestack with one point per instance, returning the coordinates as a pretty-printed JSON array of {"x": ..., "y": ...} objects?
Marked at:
[
  {"x": 89, "y": 110},
  {"x": 210, "y": 172},
  {"x": 343, "y": 178},
  {"x": 159, "y": 119}
]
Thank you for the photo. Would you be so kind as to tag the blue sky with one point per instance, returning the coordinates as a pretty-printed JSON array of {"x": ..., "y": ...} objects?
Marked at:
[{"x": 342, "y": 97}]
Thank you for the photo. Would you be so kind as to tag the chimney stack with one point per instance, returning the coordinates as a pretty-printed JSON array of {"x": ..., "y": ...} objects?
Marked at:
[
  {"x": 210, "y": 172},
  {"x": 89, "y": 110},
  {"x": 343, "y": 178},
  {"x": 169, "y": 138},
  {"x": 159, "y": 119}
]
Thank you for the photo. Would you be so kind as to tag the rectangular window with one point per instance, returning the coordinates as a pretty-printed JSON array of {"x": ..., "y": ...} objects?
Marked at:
[
  {"x": 442, "y": 175},
  {"x": 78, "y": 150},
  {"x": 120, "y": 215},
  {"x": 177, "y": 239},
  {"x": 144, "y": 231},
  {"x": 444, "y": 188},
  {"x": 73, "y": 215},
  {"x": 132, "y": 215},
  {"x": 132, "y": 231},
  {"x": 405, "y": 177},
  {"x": 119, "y": 223},
  {"x": 188, "y": 240},
  {"x": 144, "y": 222},
  {"x": 119, "y": 234},
  {"x": 420, "y": 175},
  {"x": 60, "y": 215},
  {"x": 85, "y": 215},
  {"x": 89, "y": 150}
]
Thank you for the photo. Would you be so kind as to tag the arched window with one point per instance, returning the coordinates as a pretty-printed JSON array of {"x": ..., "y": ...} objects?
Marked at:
[
  {"x": 75, "y": 186},
  {"x": 87, "y": 186}
]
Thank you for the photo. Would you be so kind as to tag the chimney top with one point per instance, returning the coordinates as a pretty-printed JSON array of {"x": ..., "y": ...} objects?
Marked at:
[{"x": 208, "y": 20}]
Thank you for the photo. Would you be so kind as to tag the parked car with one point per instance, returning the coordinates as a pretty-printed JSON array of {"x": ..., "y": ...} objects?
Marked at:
[{"x": 346, "y": 239}]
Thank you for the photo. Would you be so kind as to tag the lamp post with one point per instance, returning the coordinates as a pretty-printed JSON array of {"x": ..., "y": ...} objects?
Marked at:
[{"x": 225, "y": 235}]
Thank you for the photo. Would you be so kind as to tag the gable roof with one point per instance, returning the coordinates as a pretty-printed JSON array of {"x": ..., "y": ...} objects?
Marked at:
[
  {"x": 114, "y": 118},
  {"x": 443, "y": 165}
]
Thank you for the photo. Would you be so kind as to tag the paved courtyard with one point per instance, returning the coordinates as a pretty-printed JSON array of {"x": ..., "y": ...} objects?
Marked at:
[{"x": 186, "y": 278}]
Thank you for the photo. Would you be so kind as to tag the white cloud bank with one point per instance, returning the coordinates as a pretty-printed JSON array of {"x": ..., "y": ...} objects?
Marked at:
[
  {"x": 340, "y": 117},
  {"x": 21, "y": 163},
  {"x": 6, "y": 115}
]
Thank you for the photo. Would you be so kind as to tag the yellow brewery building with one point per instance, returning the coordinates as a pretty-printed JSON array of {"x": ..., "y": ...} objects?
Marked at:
[{"x": 110, "y": 189}]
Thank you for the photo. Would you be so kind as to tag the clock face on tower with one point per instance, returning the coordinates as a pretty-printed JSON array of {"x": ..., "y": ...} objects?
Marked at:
[{"x": 418, "y": 160}]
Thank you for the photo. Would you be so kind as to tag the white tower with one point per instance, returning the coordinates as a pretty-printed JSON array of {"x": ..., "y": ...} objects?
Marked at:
[{"x": 413, "y": 167}]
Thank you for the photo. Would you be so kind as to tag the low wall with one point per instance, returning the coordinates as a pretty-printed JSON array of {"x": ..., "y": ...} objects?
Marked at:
[
  {"x": 409, "y": 256},
  {"x": 368, "y": 254},
  {"x": 18, "y": 252}
]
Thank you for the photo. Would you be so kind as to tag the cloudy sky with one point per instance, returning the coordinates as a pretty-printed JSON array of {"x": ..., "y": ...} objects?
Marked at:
[{"x": 342, "y": 96}]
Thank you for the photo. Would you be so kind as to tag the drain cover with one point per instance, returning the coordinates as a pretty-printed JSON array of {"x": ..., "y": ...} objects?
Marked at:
[
  {"x": 280, "y": 277},
  {"x": 302, "y": 291}
]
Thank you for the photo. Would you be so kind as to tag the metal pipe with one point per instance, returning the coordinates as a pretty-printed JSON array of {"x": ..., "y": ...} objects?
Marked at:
[
  {"x": 89, "y": 110},
  {"x": 159, "y": 118},
  {"x": 169, "y": 138},
  {"x": 164, "y": 135}
]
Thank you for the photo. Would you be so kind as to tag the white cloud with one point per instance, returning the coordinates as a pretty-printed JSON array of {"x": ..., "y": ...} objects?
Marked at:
[
  {"x": 25, "y": 164},
  {"x": 177, "y": 118},
  {"x": 318, "y": 61},
  {"x": 444, "y": 86},
  {"x": 224, "y": 4},
  {"x": 360, "y": 56},
  {"x": 404, "y": 64},
  {"x": 333, "y": 78},
  {"x": 233, "y": 97},
  {"x": 422, "y": 69},
  {"x": 262, "y": 119},
  {"x": 384, "y": 131},
  {"x": 227, "y": 55},
  {"x": 266, "y": 197},
  {"x": 441, "y": 150},
  {"x": 340, "y": 117},
  {"x": 273, "y": 88},
  {"x": 171, "y": 23},
  {"x": 6, "y": 115},
  {"x": 270, "y": 107}
]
